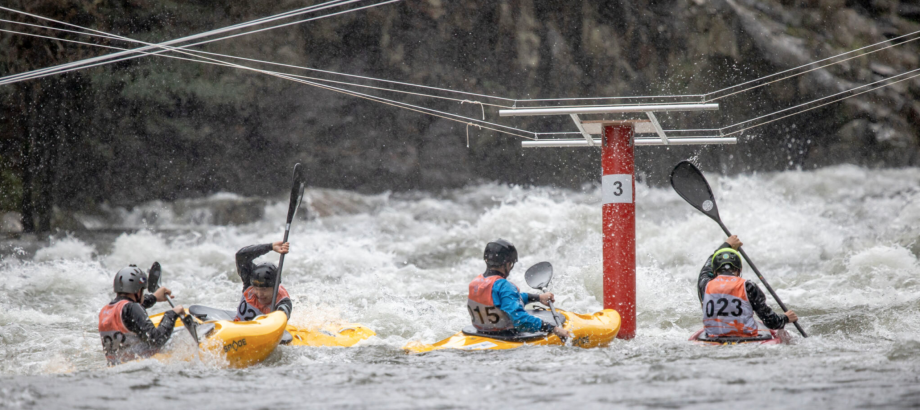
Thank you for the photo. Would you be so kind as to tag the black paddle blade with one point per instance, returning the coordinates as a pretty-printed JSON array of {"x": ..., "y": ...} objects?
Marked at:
[
  {"x": 539, "y": 275},
  {"x": 153, "y": 277},
  {"x": 690, "y": 184},
  {"x": 192, "y": 327},
  {"x": 296, "y": 191}
]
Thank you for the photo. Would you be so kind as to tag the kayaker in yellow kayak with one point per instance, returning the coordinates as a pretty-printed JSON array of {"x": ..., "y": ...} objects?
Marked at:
[
  {"x": 259, "y": 282},
  {"x": 729, "y": 301},
  {"x": 126, "y": 331},
  {"x": 496, "y": 305}
]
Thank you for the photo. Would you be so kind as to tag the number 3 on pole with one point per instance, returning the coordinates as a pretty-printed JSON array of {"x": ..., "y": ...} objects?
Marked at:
[{"x": 617, "y": 189}]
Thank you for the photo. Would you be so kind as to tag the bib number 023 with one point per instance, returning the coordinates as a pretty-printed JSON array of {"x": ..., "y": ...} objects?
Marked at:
[{"x": 617, "y": 189}]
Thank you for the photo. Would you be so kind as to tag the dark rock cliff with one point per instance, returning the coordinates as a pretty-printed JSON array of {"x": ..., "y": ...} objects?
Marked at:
[{"x": 152, "y": 128}]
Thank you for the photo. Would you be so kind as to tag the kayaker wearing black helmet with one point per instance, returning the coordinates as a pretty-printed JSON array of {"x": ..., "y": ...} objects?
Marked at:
[
  {"x": 259, "y": 282},
  {"x": 729, "y": 302},
  {"x": 496, "y": 305},
  {"x": 126, "y": 331}
]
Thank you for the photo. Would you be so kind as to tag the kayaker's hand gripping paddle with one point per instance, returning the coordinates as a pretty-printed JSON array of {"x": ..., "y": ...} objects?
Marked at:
[
  {"x": 538, "y": 277},
  {"x": 691, "y": 185},
  {"x": 153, "y": 283},
  {"x": 296, "y": 197}
]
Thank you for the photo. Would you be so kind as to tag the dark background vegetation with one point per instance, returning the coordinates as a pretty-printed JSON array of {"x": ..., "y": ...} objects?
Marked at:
[{"x": 154, "y": 128}]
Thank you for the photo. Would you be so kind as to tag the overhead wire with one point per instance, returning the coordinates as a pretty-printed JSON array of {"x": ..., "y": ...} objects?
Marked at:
[
  {"x": 7, "y": 80},
  {"x": 92, "y": 62},
  {"x": 400, "y": 104},
  {"x": 819, "y": 106},
  {"x": 458, "y": 100},
  {"x": 312, "y": 80},
  {"x": 706, "y": 96},
  {"x": 162, "y": 45},
  {"x": 820, "y": 99}
]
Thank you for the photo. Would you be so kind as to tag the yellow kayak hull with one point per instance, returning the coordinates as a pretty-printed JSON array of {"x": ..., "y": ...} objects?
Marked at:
[
  {"x": 588, "y": 331},
  {"x": 241, "y": 344},
  {"x": 329, "y": 335}
]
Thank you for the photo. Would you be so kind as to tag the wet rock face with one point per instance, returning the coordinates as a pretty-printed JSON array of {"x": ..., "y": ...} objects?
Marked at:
[{"x": 155, "y": 129}]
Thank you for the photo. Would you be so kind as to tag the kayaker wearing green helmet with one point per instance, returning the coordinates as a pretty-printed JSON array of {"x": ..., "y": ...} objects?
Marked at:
[
  {"x": 729, "y": 302},
  {"x": 259, "y": 282},
  {"x": 126, "y": 331},
  {"x": 496, "y": 305}
]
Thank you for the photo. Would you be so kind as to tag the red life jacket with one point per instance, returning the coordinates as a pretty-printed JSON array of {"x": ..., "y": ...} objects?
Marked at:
[
  {"x": 726, "y": 309},
  {"x": 119, "y": 343},
  {"x": 250, "y": 307},
  {"x": 486, "y": 316}
]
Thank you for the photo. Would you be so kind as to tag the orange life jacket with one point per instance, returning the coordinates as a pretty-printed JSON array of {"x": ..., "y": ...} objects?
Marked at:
[
  {"x": 486, "y": 316},
  {"x": 250, "y": 307},
  {"x": 726, "y": 309},
  {"x": 119, "y": 343}
]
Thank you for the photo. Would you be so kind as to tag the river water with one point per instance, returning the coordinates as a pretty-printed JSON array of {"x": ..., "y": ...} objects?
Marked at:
[{"x": 840, "y": 245}]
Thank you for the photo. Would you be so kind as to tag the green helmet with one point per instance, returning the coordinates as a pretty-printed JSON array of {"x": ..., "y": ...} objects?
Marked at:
[{"x": 726, "y": 256}]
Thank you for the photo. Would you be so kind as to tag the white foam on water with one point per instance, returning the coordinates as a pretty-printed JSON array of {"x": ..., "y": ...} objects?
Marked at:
[
  {"x": 839, "y": 245},
  {"x": 68, "y": 248}
]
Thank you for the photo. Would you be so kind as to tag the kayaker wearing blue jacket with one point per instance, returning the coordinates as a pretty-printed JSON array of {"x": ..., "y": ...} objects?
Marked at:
[
  {"x": 496, "y": 305},
  {"x": 126, "y": 331},
  {"x": 259, "y": 282},
  {"x": 729, "y": 302}
]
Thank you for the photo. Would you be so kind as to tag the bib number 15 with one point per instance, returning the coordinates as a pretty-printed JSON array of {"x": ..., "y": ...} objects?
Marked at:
[{"x": 490, "y": 314}]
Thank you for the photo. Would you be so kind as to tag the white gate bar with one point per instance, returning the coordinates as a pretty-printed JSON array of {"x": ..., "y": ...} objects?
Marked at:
[
  {"x": 596, "y": 127},
  {"x": 658, "y": 130},
  {"x": 638, "y": 142},
  {"x": 609, "y": 109},
  {"x": 582, "y": 129}
]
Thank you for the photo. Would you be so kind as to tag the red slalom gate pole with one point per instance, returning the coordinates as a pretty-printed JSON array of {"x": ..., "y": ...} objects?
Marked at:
[{"x": 619, "y": 209}]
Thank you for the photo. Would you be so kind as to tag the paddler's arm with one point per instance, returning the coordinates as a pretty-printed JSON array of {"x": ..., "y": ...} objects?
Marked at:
[
  {"x": 511, "y": 302},
  {"x": 135, "y": 319},
  {"x": 758, "y": 301},
  {"x": 149, "y": 300},
  {"x": 244, "y": 258},
  {"x": 285, "y": 306},
  {"x": 530, "y": 297}
]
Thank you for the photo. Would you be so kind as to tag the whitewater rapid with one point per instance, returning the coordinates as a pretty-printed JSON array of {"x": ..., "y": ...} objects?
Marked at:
[{"x": 840, "y": 245}]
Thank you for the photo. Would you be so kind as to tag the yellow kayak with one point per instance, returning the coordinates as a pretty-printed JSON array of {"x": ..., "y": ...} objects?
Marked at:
[
  {"x": 240, "y": 343},
  {"x": 588, "y": 331},
  {"x": 337, "y": 335},
  {"x": 329, "y": 335}
]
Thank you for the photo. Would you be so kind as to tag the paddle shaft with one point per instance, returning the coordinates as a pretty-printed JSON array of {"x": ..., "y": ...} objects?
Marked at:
[
  {"x": 762, "y": 280},
  {"x": 287, "y": 231},
  {"x": 183, "y": 318},
  {"x": 553, "y": 309}
]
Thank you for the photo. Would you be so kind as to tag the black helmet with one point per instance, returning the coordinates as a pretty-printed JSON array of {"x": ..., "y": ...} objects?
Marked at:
[
  {"x": 499, "y": 252},
  {"x": 263, "y": 276},
  {"x": 726, "y": 256},
  {"x": 130, "y": 280}
]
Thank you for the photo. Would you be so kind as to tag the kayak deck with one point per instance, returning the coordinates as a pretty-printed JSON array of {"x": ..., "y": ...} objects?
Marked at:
[
  {"x": 764, "y": 337},
  {"x": 337, "y": 335},
  {"x": 329, "y": 335},
  {"x": 588, "y": 331}
]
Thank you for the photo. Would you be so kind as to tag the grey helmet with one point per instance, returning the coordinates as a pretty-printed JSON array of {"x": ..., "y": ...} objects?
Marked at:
[
  {"x": 263, "y": 276},
  {"x": 130, "y": 280}
]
